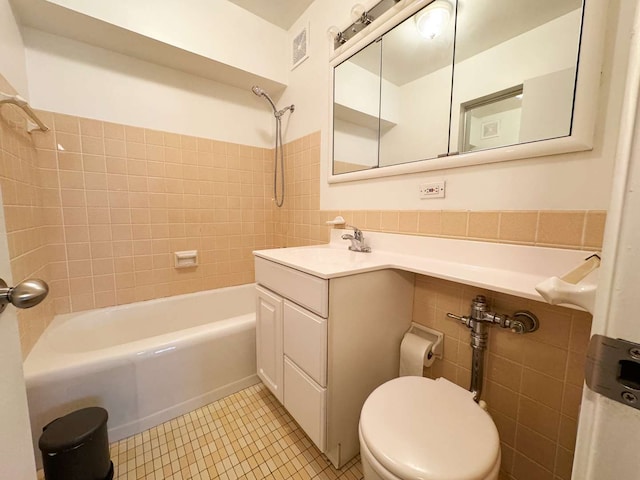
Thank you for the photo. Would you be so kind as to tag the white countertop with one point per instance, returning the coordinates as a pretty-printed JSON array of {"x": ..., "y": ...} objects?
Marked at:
[{"x": 505, "y": 268}]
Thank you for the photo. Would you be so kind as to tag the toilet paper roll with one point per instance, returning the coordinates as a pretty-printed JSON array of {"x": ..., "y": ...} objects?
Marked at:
[{"x": 414, "y": 351}]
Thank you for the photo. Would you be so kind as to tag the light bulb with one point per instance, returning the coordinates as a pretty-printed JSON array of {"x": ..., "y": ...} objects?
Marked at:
[
  {"x": 332, "y": 32},
  {"x": 434, "y": 19},
  {"x": 357, "y": 12}
]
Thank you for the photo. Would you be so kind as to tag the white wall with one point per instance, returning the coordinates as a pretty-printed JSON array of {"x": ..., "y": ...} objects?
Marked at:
[
  {"x": 547, "y": 105},
  {"x": 355, "y": 144},
  {"x": 12, "y": 58},
  {"x": 569, "y": 181},
  {"x": 423, "y": 122},
  {"x": 215, "y": 29},
  {"x": 74, "y": 78}
]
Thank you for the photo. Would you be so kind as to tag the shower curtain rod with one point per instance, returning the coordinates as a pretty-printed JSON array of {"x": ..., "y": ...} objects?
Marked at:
[{"x": 22, "y": 103}]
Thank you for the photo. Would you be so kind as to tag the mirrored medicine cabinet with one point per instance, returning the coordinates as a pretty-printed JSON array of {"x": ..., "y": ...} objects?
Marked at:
[{"x": 486, "y": 81}]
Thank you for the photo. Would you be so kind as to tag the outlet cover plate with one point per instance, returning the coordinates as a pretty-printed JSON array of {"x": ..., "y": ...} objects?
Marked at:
[{"x": 432, "y": 190}]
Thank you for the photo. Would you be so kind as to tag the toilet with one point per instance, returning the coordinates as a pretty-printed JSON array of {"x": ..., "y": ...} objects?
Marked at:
[{"x": 415, "y": 428}]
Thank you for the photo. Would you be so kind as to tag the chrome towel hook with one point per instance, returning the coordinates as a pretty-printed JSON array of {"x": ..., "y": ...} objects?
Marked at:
[{"x": 26, "y": 294}]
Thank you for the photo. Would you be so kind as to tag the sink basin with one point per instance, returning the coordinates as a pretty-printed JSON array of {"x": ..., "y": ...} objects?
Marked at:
[{"x": 326, "y": 256}]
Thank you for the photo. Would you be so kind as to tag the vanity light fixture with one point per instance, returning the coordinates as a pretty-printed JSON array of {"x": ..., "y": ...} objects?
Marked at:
[
  {"x": 361, "y": 18},
  {"x": 434, "y": 19}
]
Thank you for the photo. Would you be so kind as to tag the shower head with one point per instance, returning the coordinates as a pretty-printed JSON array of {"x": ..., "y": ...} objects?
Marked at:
[{"x": 261, "y": 93}]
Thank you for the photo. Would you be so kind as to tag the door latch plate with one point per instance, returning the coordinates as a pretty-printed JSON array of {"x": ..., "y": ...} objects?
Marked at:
[{"x": 613, "y": 369}]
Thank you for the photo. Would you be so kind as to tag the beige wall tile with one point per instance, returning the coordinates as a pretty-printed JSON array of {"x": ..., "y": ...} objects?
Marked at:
[
  {"x": 526, "y": 469},
  {"x": 568, "y": 429},
  {"x": 539, "y": 418},
  {"x": 571, "y": 400},
  {"x": 560, "y": 228},
  {"x": 538, "y": 448},
  {"x": 545, "y": 358},
  {"x": 66, "y": 124},
  {"x": 594, "y": 229},
  {"x": 92, "y": 128},
  {"x": 483, "y": 225},
  {"x": 504, "y": 372},
  {"x": 555, "y": 326},
  {"x": 454, "y": 224},
  {"x": 114, "y": 131},
  {"x": 564, "y": 464},
  {"x": 518, "y": 226},
  {"x": 389, "y": 221},
  {"x": 580, "y": 331},
  {"x": 430, "y": 222},
  {"x": 542, "y": 388}
]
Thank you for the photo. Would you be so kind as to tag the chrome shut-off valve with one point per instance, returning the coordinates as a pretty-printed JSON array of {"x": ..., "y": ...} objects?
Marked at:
[{"x": 521, "y": 322}]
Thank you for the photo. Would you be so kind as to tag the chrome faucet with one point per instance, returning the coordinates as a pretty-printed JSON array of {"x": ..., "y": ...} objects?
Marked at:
[{"x": 357, "y": 240}]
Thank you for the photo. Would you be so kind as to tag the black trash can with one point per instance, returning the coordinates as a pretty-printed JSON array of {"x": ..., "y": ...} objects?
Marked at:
[{"x": 76, "y": 446}]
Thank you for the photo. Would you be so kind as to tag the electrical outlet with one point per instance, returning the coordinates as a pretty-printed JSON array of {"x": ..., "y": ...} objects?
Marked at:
[{"x": 432, "y": 190}]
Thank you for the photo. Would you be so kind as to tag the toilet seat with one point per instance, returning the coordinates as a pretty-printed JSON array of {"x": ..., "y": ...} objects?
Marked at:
[{"x": 418, "y": 428}]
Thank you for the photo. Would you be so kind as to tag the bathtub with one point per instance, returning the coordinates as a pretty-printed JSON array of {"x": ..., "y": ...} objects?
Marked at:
[{"x": 146, "y": 362}]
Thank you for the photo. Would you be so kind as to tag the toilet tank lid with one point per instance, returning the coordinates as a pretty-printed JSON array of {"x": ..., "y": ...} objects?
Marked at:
[{"x": 419, "y": 428}]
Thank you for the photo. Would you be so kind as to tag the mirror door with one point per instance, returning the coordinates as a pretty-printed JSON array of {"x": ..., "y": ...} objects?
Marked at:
[
  {"x": 515, "y": 72},
  {"x": 356, "y": 111},
  {"x": 417, "y": 67}
]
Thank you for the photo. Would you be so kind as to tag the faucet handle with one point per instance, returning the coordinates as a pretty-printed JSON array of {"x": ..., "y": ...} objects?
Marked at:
[
  {"x": 357, "y": 233},
  {"x": 357, "y": 240}
]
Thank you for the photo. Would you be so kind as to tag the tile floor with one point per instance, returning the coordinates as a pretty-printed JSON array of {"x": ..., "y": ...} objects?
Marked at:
[{"x": 246, "y": 435}]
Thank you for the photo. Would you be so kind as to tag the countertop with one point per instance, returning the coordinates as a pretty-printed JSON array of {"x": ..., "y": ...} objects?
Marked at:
[{"x": 505, "y": 268}]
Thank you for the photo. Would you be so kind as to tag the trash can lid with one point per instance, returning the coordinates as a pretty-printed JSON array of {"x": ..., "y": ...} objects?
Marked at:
[{"x": 72, "y": 430}]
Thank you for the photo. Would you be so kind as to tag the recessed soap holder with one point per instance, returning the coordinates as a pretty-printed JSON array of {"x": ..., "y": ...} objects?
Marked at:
[
  {"x": 430, "y": 334},
  {"x": 186, "y": 259}
]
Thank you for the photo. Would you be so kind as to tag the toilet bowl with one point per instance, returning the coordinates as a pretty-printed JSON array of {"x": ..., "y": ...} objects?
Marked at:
[{"x": 415, "y": 428}]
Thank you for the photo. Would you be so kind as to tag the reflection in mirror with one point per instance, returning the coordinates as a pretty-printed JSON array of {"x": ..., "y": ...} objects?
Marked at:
[
  {"x": 356, "y": 111},
  {"x": 417, "y": 57},
  {"x": 492, "y": 121},
  {"x": 514, "y": 72}
]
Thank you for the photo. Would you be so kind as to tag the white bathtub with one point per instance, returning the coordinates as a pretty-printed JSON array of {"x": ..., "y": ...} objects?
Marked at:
[{"x": 145, "y": 362}]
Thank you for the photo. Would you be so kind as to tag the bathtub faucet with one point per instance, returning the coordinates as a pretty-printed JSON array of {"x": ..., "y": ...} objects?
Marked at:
[{"x": 357, "y": 240}]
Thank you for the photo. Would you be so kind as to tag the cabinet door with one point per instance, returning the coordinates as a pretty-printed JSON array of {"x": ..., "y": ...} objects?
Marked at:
[{"x": 269, "y": 340}]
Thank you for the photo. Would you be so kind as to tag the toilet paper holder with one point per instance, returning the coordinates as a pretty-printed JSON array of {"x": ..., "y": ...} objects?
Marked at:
[{"x": 430, "y": 334}]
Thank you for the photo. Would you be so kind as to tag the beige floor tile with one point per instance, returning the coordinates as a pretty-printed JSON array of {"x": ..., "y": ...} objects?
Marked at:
[{"x": 247, "y": 435}]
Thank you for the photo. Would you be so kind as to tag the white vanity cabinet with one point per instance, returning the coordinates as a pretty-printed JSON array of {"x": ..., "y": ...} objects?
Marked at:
[{"x": 323, "y": 345}]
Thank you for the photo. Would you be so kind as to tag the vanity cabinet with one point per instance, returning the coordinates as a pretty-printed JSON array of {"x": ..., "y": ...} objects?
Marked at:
[{"x": 323, "y": 345}]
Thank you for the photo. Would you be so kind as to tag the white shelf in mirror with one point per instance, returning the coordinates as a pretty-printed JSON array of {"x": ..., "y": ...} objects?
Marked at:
[{"x": 364, "y": 119}]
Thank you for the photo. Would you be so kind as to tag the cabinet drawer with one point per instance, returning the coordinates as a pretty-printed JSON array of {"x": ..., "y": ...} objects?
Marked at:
[
  {"x": 305, "y": 341},
  {"x": 304, "y": 289},
  {"x": 306, "y": 401}
]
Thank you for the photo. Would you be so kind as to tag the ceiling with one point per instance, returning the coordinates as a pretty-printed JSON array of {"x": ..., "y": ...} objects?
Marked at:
[
  {"x": 282, "y": 13},
  {"x": 408, "y": 56}
]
